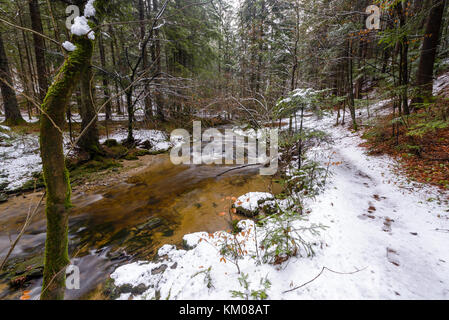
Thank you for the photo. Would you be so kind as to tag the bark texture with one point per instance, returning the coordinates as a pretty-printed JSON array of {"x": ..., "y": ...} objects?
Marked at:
[
  {"x": 12, "y": 111},
  {"x": 55, "y": 173}
]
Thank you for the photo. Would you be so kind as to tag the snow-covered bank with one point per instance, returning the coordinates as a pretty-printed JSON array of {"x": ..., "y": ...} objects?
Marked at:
[
  {"x": 158, "y": 140},
  {"x": 20, "y": 156},
  {"x": 384, "y": 239}
]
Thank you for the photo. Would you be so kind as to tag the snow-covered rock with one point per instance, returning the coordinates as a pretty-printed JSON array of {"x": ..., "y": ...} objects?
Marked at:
[
  {"x": 155, "y": 139},
  {"x": 249, "y": 204}
]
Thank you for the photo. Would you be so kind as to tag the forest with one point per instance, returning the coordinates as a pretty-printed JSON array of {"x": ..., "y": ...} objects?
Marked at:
[{"x": 224, "y": 149}]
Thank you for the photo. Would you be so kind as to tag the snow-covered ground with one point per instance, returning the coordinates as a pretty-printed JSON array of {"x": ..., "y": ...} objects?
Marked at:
[
  {"x": 385, "y": 239},
  {"x": 25, "y": 117},
  {"x": 20, "y": 155},
  {"x": 19, "y": 158},
  {"x": 158, "y": 139}
]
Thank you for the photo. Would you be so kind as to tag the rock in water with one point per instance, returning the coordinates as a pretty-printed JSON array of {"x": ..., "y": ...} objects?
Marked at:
[
  {"x": 249, "y": 204},
  {"x": 3, "y": 197}
]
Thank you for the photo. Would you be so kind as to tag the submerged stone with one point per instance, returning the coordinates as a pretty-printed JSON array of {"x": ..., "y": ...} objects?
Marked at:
[{"x": 3, "y": 197}]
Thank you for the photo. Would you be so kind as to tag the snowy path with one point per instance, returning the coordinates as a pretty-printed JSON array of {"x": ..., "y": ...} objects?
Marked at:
[{"x": 380, "y": 223}]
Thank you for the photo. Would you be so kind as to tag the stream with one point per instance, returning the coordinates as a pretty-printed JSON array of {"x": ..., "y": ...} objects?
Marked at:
[{"x": 128, "y": 221}]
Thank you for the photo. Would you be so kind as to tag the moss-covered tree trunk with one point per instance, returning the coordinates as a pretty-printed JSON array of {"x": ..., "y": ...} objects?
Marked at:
[
  {"x": 12, "y": 111},
  {"x": 55, "y": 173},
  {"x": 89, "y": 141}
]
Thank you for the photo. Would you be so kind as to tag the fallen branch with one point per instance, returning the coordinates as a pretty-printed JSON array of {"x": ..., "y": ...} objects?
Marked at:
[
  {"x": 237, "y": 168},
  {"x": 25, "y": 225},
  {"x": 319, "y": 274}
]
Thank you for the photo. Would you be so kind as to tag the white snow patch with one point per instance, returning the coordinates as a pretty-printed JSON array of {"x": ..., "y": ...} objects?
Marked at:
[
  {"x": 69, "y": 46},
  {"x": 440, "y": 83},
  {"x": 202, "y": 272},
  {"x": 80, "y": 27},
  {"x": 250, "y": 201},
  {"x": 19, "y": 160},
  {"x": 89, "y": 9},
  {"x": 159, "y": 140}
]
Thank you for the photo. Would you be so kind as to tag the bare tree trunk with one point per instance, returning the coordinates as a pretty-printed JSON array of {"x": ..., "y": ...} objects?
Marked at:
[
  {"x": 89, "y": 141},
  {"x": 424, "y": 77},
  {"x": 156, "y": 52},
  {"x": 12, "y": 111},
  {"x": 39, "y": 48},
  {"x": 403, "y": 73},
  {"x": 351, "y": 87},
  {"x": 147, "y": 99},
  {"x": 108, "y": 107},
  {"x": 118, "y": 97}
]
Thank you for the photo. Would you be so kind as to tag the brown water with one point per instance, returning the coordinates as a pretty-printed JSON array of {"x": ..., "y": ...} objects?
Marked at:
[{"x": 132, "y": 219}]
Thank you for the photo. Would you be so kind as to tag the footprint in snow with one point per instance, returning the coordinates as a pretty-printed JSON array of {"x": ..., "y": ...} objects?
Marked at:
[
  {"x": 392, "y": 257},
  {"x": 387, "y": 224}
]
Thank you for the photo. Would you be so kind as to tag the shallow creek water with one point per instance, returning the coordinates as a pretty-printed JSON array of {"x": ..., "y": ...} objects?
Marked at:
[{"x": 131, "y": 219}]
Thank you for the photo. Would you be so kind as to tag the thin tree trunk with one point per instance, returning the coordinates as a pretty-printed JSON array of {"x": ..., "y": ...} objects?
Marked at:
[
  {"x": 147, "y": 99},
  {"x": 108, "y": 107},
  {"x": 351, "y": 88},
  {"x": 39, "y": 48},
  {"x": 12, "y": 111},
  {"x": 158, "y": 69},
  {"x": 424, "y": 77},
  {"x": 89, "y": 141},
  {"x": 118, "y": 97}
]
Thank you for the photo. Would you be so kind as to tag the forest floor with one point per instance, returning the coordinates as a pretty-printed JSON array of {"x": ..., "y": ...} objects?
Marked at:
[
  {"x": 384, "y": 239},
  {"x": 423, "y": 156}
]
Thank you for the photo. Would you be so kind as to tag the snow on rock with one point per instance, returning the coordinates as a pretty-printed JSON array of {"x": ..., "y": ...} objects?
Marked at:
[
  {"x": 249, "y": 204},
  {"x": 191, "y": 240},
  {"x": 69, "y": 46},
  {"x": 157, "y": 139}
]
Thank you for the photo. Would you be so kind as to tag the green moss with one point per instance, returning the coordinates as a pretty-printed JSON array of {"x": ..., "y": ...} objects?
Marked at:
[
  {"x": 55, "y": 174},
  {"x": 111, "y": 143},
  {"x": 81, "y": 172},
  {"x": 14, "y": 122},
  {"x": 116, "y": 152},
  {"x": 19, "y": 270},
  {"x": 37, "y": 182}
]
